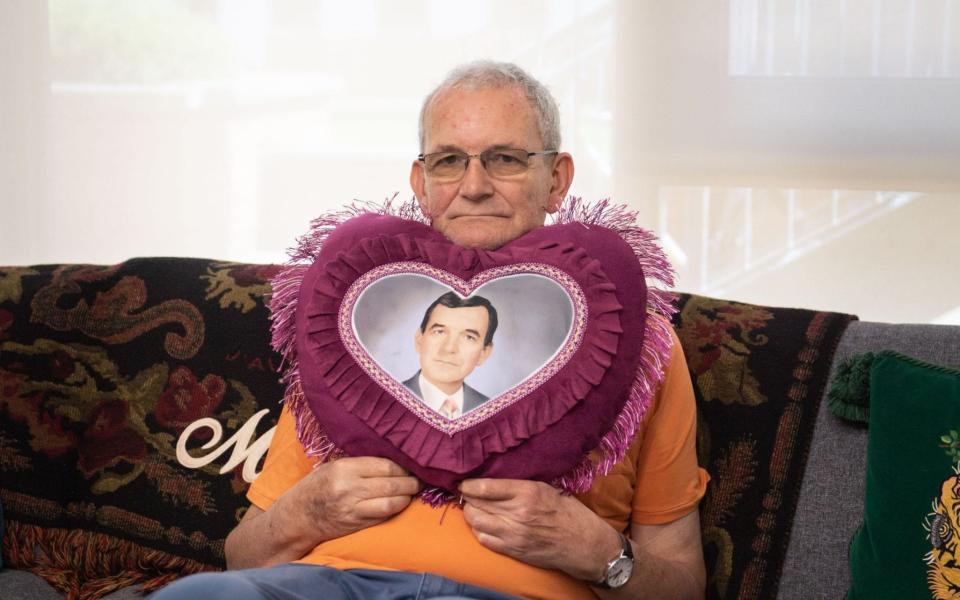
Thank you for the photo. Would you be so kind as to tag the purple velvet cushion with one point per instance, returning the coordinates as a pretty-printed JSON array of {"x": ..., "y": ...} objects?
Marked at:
[{"x": 584, "y": 396}]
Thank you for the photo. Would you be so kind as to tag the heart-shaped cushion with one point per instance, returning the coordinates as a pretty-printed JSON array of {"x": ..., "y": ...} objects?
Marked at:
[{"x": 548, "y": 399}]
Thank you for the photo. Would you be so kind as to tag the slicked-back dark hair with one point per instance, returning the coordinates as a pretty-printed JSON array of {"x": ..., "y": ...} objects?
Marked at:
[{"x": 452, "y": 300}]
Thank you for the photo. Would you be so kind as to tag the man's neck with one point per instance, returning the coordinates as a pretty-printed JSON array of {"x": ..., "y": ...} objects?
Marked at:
[{"x": 447, "y": 388}]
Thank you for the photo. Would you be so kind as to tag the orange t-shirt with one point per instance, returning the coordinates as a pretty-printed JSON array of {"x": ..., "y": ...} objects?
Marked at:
[{"x": 657, "y": 482}]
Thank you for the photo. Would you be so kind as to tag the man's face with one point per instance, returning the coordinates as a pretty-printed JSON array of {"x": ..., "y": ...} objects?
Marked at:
[
  {"x": 451, "y": 345},
  {"x": 477, "y": 210}
]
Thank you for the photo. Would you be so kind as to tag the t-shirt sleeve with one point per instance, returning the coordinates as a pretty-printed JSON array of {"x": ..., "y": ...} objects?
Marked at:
[
  {"x": 285, "y": 465},
  {"x": 669, "y": 483}
]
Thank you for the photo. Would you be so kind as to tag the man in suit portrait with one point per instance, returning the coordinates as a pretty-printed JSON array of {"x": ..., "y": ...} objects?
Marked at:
[{"x": 455, "y": 337}]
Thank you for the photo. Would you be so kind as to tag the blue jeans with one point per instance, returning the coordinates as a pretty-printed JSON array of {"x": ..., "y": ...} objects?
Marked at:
[{"x": 310, "y": 582}]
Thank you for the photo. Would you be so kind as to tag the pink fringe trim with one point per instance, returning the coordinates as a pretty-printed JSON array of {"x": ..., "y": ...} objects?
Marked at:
[
  {"x": 614, "y": 445},
  {"x": 311, "y": 434},
  {"x": 283, "y": 308},
  {"x": 650, "y": 370},
  {"x": 657, "y": 340},
  {"x": 286, "y": 284},
  {"x": 437, "y": 497}
]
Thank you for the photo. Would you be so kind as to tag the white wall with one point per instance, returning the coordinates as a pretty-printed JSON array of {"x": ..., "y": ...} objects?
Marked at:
[{"x": 779, "y": 146}]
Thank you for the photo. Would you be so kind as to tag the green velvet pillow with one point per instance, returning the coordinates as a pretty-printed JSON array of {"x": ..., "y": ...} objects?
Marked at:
[{"x": 908, "y": 542}]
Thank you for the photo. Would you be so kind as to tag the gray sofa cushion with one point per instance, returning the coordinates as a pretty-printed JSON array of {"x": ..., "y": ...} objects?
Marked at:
[
  {"x": 22, "y": 585},
  {"x": 831, "y": 497}
]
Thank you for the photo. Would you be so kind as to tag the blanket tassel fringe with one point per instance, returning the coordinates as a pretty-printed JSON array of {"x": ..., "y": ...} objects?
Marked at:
[{"x": 87, "y": 565}]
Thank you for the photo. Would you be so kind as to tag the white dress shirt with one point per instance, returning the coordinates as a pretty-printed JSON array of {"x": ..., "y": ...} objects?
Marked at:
[{"x": 434, "y": 397}]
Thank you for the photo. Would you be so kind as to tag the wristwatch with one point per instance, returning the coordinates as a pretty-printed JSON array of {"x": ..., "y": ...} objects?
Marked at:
[{"x": 620, "y": 568}]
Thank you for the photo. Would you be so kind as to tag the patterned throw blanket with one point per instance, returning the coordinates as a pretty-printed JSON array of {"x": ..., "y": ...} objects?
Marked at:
[
  {"x": 136, "y": 401},
  {"x": 759, "y": 374},
  {"x": 101, "y": 370}
]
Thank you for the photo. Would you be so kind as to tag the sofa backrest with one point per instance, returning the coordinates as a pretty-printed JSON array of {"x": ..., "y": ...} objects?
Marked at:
[
  {"x": 102, "y": 368},
  {"x": 134, "y": 397},
  {"x": 830, "y": 507}
]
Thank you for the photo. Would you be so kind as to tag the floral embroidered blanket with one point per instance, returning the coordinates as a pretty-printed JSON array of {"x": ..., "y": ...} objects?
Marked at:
[{"x": 134, "y": 397}]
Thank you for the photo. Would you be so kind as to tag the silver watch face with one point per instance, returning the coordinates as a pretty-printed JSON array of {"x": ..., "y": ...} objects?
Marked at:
[{"x": 619, "y": 572}]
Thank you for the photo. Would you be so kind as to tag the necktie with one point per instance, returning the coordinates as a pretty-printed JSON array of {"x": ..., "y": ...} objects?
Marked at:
[{"x": 449, "y": 409}]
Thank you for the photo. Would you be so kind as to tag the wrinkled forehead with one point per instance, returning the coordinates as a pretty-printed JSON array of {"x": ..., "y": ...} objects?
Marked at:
[{"x": 489, "y": 116}]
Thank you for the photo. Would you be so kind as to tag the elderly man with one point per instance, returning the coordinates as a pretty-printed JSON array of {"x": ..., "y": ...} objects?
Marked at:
[
  {"x": 454, "y": 337},
  {"x": 490, "y": 170}
]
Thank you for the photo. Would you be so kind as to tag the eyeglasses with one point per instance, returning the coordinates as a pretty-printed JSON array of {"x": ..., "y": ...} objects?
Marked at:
[{"x": 450, "y": 166}]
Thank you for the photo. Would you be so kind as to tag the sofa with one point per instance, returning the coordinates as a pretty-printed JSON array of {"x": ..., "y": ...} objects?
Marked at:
[{"x": 137, "y": 401}]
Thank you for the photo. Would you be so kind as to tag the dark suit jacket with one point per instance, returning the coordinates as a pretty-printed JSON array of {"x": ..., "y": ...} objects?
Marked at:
[{"x": 471, "y": 397}]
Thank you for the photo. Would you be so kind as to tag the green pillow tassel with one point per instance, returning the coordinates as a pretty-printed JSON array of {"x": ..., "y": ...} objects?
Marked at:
[{"x": 849, "y": 396}]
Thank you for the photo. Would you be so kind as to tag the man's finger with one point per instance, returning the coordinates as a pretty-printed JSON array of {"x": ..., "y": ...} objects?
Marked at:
[
  {"x": 490, "y": 489},
  {"x": 392, "y": 486},
  {"x": 492, "y": 542},
  {"x": 481, "y": 521},
  {"x": 382, "y": 507},
  {"x": 374, "y": 466},
  {"x": 491, "y": 507}
]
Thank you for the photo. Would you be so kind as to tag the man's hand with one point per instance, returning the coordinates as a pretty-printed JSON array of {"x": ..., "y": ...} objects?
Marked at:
[
  {"x": 534, "y": 523},
  {"x": 348, "y": 494},
  {"x": 334, "y": 500}
]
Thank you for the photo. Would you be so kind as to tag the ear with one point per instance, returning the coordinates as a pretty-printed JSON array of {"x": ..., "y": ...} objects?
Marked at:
[
  {"x": 485, "y": 354},
  {"x": 418, "y": 184},
  {"x": 561, "y": 177},
  {"x": 418, "y": 341}
]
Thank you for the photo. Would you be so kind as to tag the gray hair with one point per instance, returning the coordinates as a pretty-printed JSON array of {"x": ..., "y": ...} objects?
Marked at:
[{"x": 484, "y": 74}]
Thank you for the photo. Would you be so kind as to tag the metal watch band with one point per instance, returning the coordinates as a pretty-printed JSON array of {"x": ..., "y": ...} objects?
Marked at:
[{"x": 619, "y": 569}]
